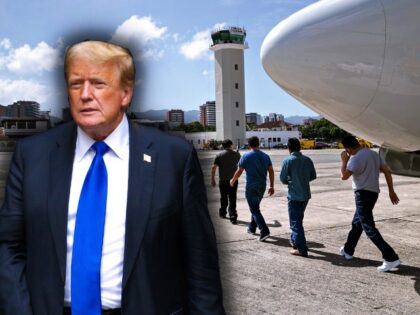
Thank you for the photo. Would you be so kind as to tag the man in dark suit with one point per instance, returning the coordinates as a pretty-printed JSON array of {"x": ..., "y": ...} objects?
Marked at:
[{"x": 149, "y": 220}]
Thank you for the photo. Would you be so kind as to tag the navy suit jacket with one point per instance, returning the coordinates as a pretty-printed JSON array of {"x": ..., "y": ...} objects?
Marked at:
[{"x": 170, "y": 257}]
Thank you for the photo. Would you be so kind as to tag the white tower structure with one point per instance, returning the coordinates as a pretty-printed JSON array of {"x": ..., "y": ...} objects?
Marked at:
[{"x": 228, "y": 46}]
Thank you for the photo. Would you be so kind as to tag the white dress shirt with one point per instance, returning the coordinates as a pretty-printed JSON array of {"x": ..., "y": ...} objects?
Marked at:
[{"x": 116, "y": 161}]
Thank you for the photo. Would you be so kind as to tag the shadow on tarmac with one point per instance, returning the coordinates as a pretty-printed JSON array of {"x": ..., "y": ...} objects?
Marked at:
[
  {"x": 356, "y": 262},
  {"x": 246, "y": 223},
  {"x": 337, "y": 259},
  {"x": 285, "y": 242},
  {"x": 410, "y": 271}
]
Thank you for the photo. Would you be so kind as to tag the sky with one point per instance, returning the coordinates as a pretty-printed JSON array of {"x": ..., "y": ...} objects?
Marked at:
[{"x": 169, "y": 40}]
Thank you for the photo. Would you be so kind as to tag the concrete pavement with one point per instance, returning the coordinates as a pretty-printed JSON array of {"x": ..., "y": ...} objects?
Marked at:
[{"x": 263, "y": 278}]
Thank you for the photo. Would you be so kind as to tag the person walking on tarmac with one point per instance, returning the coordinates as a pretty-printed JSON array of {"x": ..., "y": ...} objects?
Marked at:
[
  {"x": 227, "y": 162},
  {"x": 256, "y": 164},
  {"x": 296, "y": 172},
  {"x": 365, "y": 165}
]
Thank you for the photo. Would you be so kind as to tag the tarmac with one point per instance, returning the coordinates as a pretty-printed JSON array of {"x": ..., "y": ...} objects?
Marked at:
[{"x": 263, "y": 278}]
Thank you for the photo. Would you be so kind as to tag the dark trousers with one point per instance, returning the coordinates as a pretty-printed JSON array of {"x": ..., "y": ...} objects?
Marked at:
[
  {"x": 228, "y": 197},
  {"x": 296, "y": 214},
  {"x": 363, "y": 221},
  {"x": 254, "y": 195}
]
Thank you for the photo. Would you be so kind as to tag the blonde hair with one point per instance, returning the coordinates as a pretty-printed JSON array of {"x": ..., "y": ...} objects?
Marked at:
[{"x": 102, "y": 52}]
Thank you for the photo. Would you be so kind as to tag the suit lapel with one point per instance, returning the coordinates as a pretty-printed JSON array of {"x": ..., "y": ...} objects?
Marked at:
[
  {"x": 60, "y": 172},
  {"x": 140, "y": 189}
]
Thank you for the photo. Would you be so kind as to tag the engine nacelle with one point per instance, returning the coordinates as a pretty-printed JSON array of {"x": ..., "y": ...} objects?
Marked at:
[{"x": 402, "y": 163}]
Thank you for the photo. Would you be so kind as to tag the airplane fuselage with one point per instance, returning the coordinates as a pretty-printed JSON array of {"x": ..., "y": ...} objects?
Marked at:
[{"x": 356, "y": 63}]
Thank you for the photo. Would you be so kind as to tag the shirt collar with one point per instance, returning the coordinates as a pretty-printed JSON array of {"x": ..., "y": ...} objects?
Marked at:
[
  {"x": 117, "y": 141},
  {"x": 296, "y": 153}
]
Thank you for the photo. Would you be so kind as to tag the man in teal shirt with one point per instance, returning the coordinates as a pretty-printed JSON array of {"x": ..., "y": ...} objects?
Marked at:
[{"x": 296, "y": 172}]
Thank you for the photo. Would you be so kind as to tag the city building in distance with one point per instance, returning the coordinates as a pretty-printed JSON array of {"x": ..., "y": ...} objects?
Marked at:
[
  {"x": 21, "y": 119},
  {"x": 208, "y": 114},
  {"x": 253, "y": 118},
  {"x": 175, "y": 117}
]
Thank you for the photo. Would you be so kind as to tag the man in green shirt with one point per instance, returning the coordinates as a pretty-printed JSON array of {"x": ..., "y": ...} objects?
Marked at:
[{"x": 296, "y": 172}]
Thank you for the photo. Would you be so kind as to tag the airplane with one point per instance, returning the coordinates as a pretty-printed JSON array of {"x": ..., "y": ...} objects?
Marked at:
[{"x": 356, "y": 63}]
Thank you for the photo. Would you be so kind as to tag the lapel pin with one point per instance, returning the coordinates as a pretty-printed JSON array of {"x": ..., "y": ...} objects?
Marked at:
[{"x": 147, "y": 158}]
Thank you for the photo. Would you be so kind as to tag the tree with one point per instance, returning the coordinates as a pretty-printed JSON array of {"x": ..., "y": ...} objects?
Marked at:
[
  {"x": 322, "y": 129},
  {"x": 251, "y": 126},
  {"x": 194, "y": 126}
]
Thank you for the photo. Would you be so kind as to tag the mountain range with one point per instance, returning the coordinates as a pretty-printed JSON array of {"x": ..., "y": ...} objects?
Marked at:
[
  {"x": 194, "y": 115},
  {"x": 298, "y": 120}
]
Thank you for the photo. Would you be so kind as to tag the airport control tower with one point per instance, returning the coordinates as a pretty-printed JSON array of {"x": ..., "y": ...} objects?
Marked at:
[{"x": 228, "y": 46}]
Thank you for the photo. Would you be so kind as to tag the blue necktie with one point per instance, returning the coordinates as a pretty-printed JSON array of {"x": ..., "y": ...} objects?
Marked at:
[{"x": 88, "y": 238}]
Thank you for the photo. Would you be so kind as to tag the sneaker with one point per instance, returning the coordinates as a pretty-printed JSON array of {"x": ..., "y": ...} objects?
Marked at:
[
  {"x": 344, "y": 254},
  {"x": 249, "y": 231},
  {"x": 263, "y": 237},
  {"x": 292, "y": 244},
  {"x": 296, "y": 252},
  {"x": 388, "y": 265},
  {"x": 233, "y": 220}
]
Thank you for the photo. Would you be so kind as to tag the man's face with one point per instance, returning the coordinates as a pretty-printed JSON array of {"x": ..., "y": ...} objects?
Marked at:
[{"x": 97, "y": 100}]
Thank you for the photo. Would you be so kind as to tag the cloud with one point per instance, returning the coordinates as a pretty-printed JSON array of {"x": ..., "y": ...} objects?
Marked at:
[
  {"x": 14, "y": 90},
  {"x": 205, "y": 72},
  {"x": 25, "y": 60},
  {"x": 6, "y": 44},
  {"x": 175, "y": 37},
  {"x": 141, "y": 35},
  {"x": 140, "y": 29},
  {"x": 198, "y": 48},
  {"x": 152, "y": 53}
]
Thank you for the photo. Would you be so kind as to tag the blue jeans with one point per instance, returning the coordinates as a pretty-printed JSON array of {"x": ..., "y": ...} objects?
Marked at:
[
  {"x": 296, "y": 214},
  {"x": 254, "y": 195},
  {"x": 363, "y": 221}
]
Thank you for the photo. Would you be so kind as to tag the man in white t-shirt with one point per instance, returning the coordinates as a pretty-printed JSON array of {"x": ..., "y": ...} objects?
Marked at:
[{"x": 365, "y": 166}]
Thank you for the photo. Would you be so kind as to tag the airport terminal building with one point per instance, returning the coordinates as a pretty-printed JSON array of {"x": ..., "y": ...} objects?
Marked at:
[{"x": 268, "y": 138}]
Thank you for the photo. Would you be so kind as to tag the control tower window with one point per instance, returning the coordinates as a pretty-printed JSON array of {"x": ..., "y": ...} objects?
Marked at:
[
  {"x": 236, "y": 85},
  {"x": 236, "y": 66},
  {"x": 237, "y": 104},
  {"x": 237, "y": 123}
]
